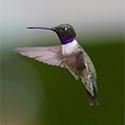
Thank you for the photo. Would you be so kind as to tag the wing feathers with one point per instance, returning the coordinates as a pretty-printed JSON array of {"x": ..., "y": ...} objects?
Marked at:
[{"x": 49, "y": 55}]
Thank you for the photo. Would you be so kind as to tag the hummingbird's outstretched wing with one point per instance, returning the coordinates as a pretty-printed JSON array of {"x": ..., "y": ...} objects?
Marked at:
[{"x": 48, "y": 55}]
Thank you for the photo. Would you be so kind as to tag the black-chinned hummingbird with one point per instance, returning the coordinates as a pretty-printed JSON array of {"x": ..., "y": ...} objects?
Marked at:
[{"x": 69, "y": 55}]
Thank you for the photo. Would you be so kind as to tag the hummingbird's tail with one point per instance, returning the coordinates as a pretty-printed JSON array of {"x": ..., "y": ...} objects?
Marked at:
[
  {"x": 91, "y": 90},
  {"x": 92, "y": 99}
]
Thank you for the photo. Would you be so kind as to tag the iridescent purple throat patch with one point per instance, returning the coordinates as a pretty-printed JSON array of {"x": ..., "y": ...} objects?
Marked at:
[{"x": 67, "y": 40}]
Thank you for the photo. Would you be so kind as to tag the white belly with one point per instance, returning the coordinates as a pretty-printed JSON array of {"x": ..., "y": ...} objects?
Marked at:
[{"x": 69, "y": 48}]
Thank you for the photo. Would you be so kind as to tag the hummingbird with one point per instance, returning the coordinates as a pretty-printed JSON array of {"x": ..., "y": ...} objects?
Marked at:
[{"x": 69, "y": 55}]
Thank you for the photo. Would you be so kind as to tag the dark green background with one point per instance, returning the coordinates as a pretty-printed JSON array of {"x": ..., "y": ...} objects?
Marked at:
[{"x": 59, "y": 98}]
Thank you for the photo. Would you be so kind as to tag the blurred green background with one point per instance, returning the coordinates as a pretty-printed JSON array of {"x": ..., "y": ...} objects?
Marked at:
[{"x": 38, "y": 94}]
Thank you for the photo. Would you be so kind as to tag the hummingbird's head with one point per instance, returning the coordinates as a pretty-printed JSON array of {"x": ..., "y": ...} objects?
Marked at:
[{"x": 65, "y": 32}]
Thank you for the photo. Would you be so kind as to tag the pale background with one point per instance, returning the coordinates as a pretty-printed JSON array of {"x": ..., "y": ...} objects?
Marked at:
[{"x": 38, "y": 94}]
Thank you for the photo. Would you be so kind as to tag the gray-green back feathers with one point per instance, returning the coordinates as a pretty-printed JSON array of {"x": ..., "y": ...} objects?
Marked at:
[
  {"x": 81, "y": 67},
  {"x": 93, "y": 77}
]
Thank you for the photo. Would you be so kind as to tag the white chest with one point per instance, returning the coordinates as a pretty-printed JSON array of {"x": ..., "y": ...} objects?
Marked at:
[{"x": 69, "y": 48}]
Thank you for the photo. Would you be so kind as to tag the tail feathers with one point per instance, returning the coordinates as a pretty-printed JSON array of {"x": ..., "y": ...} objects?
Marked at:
[
  {"x": 92, "y": 99},
  {"x": 91, "y": 90}
]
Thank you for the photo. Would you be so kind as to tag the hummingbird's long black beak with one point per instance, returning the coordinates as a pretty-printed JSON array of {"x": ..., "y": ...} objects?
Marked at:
[{"x": 43, "y": 28}]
